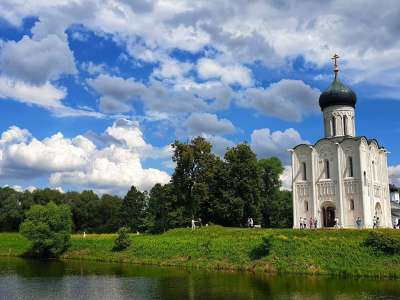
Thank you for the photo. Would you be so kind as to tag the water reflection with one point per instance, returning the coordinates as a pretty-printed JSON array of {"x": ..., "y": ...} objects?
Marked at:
[{"x": 26, "y": 279}]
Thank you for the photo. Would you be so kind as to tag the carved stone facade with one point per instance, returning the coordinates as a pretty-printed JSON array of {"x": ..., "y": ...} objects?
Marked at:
[{"x": 341, "y": 177}]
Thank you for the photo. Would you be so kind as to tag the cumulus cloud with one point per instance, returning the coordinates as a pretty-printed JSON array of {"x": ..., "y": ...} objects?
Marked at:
[
  {"x": 80, "y": 162},
  {"x": 205, "y": 123},
  {"x": 36, "y": 61},
  {"x": 230, "y": 74},
  {"x": 267, "y": 143},
  {"x": 394, "y": 175},
  {"x": 289, "y": 100},
  {"x": 117, "y": 95},
  {"x": 286, "y": 178}
]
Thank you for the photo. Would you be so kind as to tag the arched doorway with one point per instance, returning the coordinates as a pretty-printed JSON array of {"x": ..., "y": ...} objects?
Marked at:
[{"x": 328, "y": 215}]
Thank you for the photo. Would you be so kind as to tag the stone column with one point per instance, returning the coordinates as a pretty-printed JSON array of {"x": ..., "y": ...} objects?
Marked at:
[
  {"x": 340, "y": 186},
  {"x": 294, "y": 192},
  {"x": 314, "y": 200}
]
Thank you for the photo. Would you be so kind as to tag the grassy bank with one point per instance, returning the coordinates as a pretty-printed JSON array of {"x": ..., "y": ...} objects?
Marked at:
[{"x": 336, "y": 252}]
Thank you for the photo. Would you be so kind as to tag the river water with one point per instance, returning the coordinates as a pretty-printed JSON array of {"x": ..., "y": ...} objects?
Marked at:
[{"x": 27, "y": 279}]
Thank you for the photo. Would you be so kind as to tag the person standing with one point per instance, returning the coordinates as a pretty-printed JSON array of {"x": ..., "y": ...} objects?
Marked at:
[
  {"x": 315, "y": 223},
  {"x": 193, "y": 224},
  {"x": 301, "y": 223},
  {"x": 311, "y": 222},
  {"x": 374, "y": 223},
  {"x": 358, "y": 222}
]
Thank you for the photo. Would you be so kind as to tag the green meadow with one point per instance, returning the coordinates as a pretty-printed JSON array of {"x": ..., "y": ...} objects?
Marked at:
[{"x": 333, "y": 252}]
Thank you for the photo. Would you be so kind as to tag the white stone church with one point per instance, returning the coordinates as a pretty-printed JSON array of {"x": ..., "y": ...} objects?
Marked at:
[{"x": 342, "y": 176}]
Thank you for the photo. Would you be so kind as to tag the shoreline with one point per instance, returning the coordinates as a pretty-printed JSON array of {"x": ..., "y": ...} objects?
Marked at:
[{"x": 292, "y": 252}]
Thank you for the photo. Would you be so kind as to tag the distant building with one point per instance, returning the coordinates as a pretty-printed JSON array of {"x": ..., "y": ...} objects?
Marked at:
[
  {"x": 342, "y": 176},
  {"x": 395, "y": 203}
]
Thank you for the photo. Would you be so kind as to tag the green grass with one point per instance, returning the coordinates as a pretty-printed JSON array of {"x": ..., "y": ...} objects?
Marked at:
[{"x": 334, "y": 252}]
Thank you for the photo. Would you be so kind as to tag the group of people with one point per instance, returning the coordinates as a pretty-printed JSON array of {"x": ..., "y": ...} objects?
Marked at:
[
  {"x": 396, "y": 224},
  {"x": 198, "y": 223},
  {"x": 376, "y": 222},
  {"x": 312, "y": 223}
]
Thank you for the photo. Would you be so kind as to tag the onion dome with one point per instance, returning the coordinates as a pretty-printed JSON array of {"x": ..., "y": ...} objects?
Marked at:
[{"x": 337, "y": 93}]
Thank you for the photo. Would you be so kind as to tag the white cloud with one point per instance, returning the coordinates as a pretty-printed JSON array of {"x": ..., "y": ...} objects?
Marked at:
[
  {"x": 219, "y": 144},
  {"x": 267, "y": 143},
  {"x": 79, "y": 162},
  {"x": 205, "y": 123},
  {"x": 158, "y": 98},
  {"x": 230, "y": 74},
  {"x": 287, "y": 99},
  {"x": 394, "y": 175},
  {"x": 286, "y": 178},
  {"x": 36, "y": 61}
]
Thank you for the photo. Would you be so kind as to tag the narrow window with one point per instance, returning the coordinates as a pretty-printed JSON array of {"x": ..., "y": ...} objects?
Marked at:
[
  {"x": 345, "y": 125},
  {"x": 327, "y": 171},
  {"x": 365, "y": 178},
  {"x": 304, "y": 167},
  {"x": 351, "y": 171},
  {"x": 351, "y": 204},
  {"x": 373, "y": 170},
  {"x": 306, "y": 205},
  {"x": 333, "y": 126}
]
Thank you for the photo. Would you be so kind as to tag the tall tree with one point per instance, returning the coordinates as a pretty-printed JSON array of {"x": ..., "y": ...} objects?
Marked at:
[
  {"x": 270, "y": 170},
  {"x": 243, "y": 176},
  {"x": 133, "y": 209},
  {"x": 193, "y": 173},
  {"x": 162, "y": 213}
]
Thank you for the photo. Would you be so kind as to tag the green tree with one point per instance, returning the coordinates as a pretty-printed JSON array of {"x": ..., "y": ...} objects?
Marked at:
[
  {"x": 162, "y": 213},
  {"x": 243, "y": 178},
  {"x": 270, "y": 170},
  {"x": 48, "y": 228},
  {"x": 122, "y": 241},
  {"x": 110, "y": 208},
  {"x": 133, "y": 209},
  {"x": 192, "y": 177}
]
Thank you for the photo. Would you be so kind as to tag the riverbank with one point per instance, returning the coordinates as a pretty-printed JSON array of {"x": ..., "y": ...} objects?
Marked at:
[{"x": 330, "y": 252}]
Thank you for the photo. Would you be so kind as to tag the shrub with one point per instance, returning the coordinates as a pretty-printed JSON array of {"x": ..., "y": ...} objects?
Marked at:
[
  {"x": 122, "y": 241},
  {"x": 382, "y": 243},
  {"x": 48, "y": 228}
]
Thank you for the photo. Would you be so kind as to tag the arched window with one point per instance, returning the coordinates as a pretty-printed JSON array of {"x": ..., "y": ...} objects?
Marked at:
[
  {"x": 333, "y": 126},
  {"x": 327, "y": 170},
  {"x": 304, "y": 170},
  {"x": 350, "y": 166},
  {"x": 306, "y": 205},
  {"x": 365, "y": 178},
  {"x": 351, "y": 204},
  {"x": 345, "y": 125}
]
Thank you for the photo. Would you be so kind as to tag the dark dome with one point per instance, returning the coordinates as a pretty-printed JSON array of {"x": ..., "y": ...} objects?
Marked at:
[{"x": 337, "y": 94}]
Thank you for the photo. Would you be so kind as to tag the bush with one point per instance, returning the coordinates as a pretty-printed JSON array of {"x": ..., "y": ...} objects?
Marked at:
[
  {"x": 48, "y": 228},
  {"x": 122, "y": 241},
  {"x": 382, "y": 243}
]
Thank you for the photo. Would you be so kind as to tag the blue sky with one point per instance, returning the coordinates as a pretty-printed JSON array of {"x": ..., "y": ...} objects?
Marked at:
[{"x": 92, "y": 93}]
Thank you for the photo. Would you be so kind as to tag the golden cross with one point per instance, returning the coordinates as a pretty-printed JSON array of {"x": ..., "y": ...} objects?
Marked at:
[{"x": 335, "y": 57}]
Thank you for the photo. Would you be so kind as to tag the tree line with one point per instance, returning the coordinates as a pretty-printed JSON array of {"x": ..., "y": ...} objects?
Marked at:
[{"x": 224, "y": 191}]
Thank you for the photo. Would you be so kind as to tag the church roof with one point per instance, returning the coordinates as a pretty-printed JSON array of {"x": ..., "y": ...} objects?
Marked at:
[
  {"x": 337, "y": 93},
  {"x": 341, "y": 139}
]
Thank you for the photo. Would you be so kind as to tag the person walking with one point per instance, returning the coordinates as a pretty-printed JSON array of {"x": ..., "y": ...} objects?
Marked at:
[
  {"x": 315, "y": 223},
  {"x": 251, "y": 223},
  {"x": 301, "y": 223},
  {"x": 374, "y": 223},
  {"x": 311, "y": 222}
]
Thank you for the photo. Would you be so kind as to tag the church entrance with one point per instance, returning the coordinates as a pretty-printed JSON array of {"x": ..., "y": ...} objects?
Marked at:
[{"x": 328, "y": 214}]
